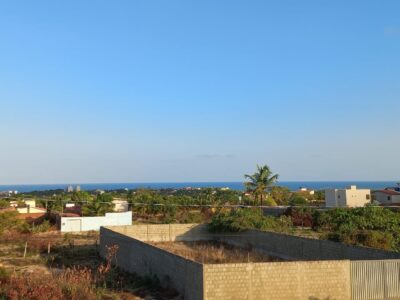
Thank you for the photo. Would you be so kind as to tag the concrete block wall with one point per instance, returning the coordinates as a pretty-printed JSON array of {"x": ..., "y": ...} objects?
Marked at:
[
  {"x": 165, "y": 232},
  {"x": 278, "y": 280},
  {"x": 312, "y": 280},
  {"x": 298, "y": 248},
  {"x": 136, "y": 256}
]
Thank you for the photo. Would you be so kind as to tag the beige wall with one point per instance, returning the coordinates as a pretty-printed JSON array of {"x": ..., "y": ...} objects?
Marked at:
[
  {"x": 330, "y": 278},
  {"x": 283, "y": 280},
  {"x": 351, "y": 197}
]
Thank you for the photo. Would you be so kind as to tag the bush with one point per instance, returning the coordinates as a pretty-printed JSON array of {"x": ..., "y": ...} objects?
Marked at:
[
  {"x": 9, "y": 221},
  {"x": 244, "y": 218},
  {"x": 301, "y": 216},
  {"x": 369, "y": 226},
  {"x": 4, "y": 203},
  {"x": 297, "y": 200}
]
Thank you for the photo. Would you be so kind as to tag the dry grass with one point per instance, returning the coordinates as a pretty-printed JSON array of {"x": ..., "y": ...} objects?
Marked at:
[
  {"x": 214, "y": 252},
  {"x": 72, "y": 270}
]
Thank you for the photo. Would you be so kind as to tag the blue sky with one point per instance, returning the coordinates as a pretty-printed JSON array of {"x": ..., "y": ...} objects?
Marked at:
[{"x": 136, "y": 91}]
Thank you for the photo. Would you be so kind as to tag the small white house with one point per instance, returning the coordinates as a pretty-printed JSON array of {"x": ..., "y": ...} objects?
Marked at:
[
  {"x": 76, "y": 224},
  {"x": 387, "y": 196},
  {"x": 350, "y": 197},
  {"x": 120, "y": 205}
]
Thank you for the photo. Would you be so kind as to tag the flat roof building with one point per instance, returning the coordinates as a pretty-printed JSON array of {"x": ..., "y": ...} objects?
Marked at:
[{"x": 350, "y": 197}]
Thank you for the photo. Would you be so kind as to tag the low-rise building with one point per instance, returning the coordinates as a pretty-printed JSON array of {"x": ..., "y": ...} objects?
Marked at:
[
  {"x": 76, "y": 224},
  {"x": 120, "y": 205},
  {"x": 350, "y": 197},
  {"x": 387, "y": 197}
]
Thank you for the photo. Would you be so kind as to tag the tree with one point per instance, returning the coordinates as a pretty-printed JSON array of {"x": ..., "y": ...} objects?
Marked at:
[
  {"x": 99, "y": 206},
  {"x": 280, "y": 194},
  {"x": 260, "y": 182}
]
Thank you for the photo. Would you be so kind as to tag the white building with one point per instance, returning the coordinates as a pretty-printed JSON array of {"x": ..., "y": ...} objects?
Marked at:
[
  {"x": 76, "y": 224},
  {"x": 120, "y": 205},
  {"x": 350, "y": 197},
  {"x": 387, "y": 196}
]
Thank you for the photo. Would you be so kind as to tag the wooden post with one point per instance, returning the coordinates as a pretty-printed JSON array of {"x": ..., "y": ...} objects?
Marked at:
[{"x": 26, "y": 247}]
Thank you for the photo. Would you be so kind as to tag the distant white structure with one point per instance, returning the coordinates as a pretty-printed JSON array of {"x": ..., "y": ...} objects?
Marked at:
[
  {"x": 30, "y": 207},
  {"x": 350, "y": 197},
  {"x": 387, "y": 197},
  {"x": 70, "y": 189},
  {"x": 303, "y": 189},
  {"x": 120, "y": 205},
  {"x": 76, "y": 224}
]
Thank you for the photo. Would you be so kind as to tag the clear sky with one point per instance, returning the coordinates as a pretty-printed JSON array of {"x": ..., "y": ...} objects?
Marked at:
[{"x": 136, "y": 91}]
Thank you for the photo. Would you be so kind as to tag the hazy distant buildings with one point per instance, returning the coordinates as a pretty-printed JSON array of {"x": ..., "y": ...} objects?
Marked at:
[
  {"x": 70, "y": 189},
  {"x": 350, "y": 197}
]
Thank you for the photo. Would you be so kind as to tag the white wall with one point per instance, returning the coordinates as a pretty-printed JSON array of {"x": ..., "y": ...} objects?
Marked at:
[
  {"x": 74, "y": 224},
  {"x": 384, "y": 198}
]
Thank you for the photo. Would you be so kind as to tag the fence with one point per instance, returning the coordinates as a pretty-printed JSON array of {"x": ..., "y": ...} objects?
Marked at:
[{"x": 375, "y": 279}]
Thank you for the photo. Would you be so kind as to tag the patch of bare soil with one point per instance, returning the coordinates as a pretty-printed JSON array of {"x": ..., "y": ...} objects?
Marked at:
[{"x": 214, "y": 252}]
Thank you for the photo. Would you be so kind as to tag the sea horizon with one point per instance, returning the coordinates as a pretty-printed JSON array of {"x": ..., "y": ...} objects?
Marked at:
[{"x": 234, "y": 185}]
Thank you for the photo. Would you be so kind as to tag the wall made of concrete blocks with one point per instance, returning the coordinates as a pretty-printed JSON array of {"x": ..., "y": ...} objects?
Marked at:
[
  {"x": 298, "y": 248},
  {"x": 282, "y": 280},
  {"x": 135, "y": 256},
  {"x": 327, "y": 278}
]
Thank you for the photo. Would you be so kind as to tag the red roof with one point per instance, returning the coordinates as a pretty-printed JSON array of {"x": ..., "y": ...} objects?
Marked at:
[{"x": 388, "y": 192}]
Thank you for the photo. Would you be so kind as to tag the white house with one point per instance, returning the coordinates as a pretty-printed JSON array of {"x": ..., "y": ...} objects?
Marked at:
[
  {"x": 120, "y": 205},
  {"x": 76, "y": 224},
  {"x": 350, "y": 197},
  {"x": 387, "y": 196}
]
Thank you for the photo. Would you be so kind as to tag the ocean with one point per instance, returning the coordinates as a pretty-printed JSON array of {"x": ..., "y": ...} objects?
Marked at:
[{"x": 292, "y": 185}]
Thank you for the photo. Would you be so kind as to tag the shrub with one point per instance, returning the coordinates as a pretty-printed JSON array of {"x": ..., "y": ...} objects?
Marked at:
[
  {"x": 245, "y": 218},
  {"x": 368, "y": 226},
  {"x": 9, "y": 221},
  {"x": 297, "y": 200},
  {"x": 4, "y": 203},
  {"x": 301, "y": 216}
]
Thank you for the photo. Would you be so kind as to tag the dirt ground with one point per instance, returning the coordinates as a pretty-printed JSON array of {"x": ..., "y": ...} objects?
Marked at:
[
  {"x": 53, "y": 252},
  {"x": 215, "y": 252}
]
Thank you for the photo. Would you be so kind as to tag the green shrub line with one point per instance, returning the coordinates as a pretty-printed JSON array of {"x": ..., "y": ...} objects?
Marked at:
[{"x": 374, "y": 227}]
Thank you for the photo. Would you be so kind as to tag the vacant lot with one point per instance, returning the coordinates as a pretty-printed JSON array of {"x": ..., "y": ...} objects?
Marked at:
[
  {"x": 214, "y": 252},
  {"x": 67, "y": 266}
]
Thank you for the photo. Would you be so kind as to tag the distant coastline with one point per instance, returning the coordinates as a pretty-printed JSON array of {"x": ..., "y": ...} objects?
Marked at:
[{"x": 292, "y": 185}]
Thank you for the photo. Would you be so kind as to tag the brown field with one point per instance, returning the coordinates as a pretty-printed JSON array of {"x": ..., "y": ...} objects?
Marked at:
[{"x": 214, "y": 252}]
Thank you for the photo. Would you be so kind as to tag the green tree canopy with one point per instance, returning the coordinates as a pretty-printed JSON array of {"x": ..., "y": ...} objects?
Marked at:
[{"x": 260, "y": 182}]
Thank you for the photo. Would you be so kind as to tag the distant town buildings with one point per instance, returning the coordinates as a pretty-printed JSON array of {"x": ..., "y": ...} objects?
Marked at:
[
  {"x": 350, "y": 197},
  {"x": 70, "y": 189},
  {"x": 8, "y": 193}
]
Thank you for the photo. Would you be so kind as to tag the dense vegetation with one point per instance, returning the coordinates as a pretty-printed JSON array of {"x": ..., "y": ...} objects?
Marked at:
[
  {"x": 237, "y": 220},
  {"x": 370, "y": 226}
]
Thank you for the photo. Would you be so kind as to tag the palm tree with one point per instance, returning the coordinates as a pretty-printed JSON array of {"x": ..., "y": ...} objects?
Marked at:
[{"x": 260, "y": 182}]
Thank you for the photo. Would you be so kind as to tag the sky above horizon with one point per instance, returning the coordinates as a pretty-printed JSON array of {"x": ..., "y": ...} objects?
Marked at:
[{"x": 153, "y": 91}]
